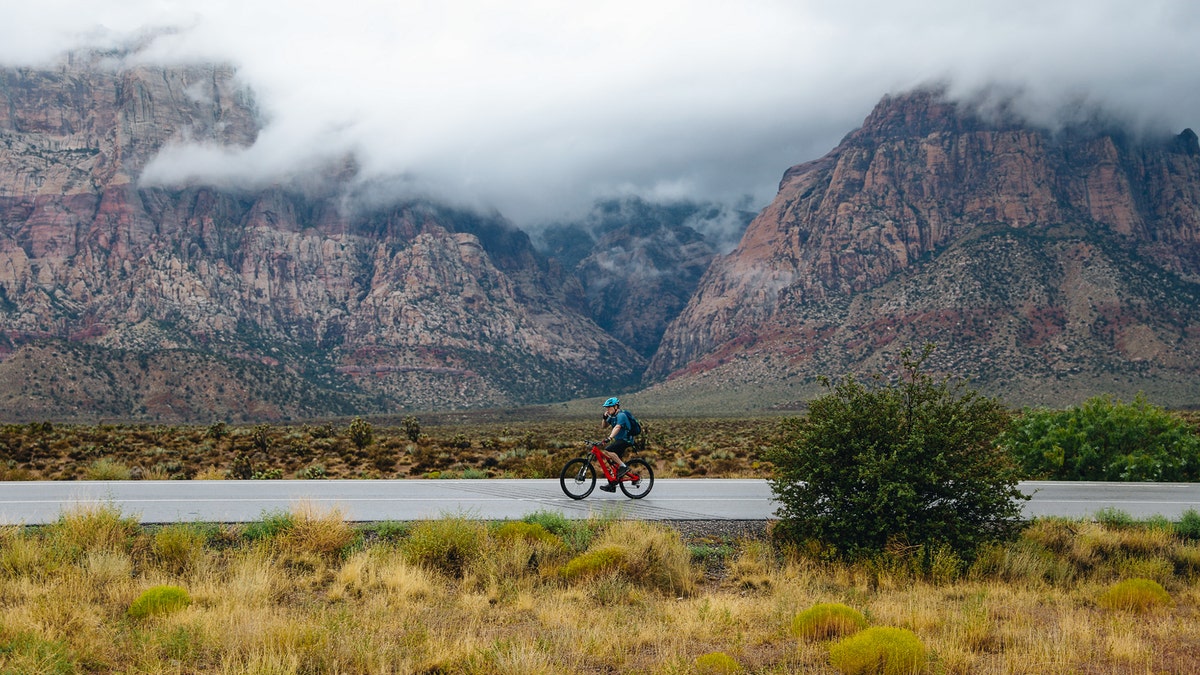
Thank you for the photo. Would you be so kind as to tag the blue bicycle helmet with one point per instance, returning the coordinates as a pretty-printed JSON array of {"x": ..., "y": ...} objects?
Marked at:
[{"x": 611, "y": 401}]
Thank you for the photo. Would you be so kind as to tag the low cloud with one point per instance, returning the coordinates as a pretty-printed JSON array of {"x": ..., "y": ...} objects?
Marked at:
[{"x": 538, "y": 108}]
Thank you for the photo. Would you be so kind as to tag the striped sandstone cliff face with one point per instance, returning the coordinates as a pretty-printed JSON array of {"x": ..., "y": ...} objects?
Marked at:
[
  {"x": 1046, "y": 266},
  {"x": 288, "y": 301}
]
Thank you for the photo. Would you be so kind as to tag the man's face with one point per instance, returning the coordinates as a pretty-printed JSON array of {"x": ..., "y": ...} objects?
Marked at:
[{"x": 609, "y": 410}]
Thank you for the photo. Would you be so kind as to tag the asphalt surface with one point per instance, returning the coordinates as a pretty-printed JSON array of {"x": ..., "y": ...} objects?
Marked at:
[{"x": 34, "y": 503}]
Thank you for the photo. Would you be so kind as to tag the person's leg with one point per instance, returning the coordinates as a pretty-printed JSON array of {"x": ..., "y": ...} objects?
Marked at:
[
  {"x": 613, "y": 452},
  {"x": 617, "y": 449}
]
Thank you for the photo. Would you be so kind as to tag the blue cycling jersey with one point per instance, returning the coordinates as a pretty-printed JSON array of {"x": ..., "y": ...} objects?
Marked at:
[{"x": 622, "y": 419}]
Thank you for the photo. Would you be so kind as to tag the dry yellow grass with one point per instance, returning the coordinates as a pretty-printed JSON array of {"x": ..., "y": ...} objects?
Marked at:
[{"x": 322, "y": 597}]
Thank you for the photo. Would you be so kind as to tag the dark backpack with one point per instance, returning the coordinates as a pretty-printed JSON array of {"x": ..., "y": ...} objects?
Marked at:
[{"x": 635, "y": 427}]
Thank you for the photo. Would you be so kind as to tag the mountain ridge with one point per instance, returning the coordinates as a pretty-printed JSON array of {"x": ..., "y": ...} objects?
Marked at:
[
  {"x": 405, "y": 306},
  {"x": 1046, "y": 265},
  {"x": 922, "y": 174}
]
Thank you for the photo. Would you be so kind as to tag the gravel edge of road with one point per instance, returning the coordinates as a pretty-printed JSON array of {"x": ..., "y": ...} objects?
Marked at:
[{"x": 691, "y": 530}]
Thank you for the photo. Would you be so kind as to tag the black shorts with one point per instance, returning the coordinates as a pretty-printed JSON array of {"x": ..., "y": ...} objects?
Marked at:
[{"x": 618, "y": 446}]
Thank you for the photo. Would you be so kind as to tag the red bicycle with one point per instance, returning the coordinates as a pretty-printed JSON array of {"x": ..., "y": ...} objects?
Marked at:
[{"x": 578, "y": 477}]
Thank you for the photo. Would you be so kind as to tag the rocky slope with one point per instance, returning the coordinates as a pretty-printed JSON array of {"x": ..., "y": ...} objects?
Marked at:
[
  {"x": 1047, "y": 267},
  {"x": 118, "y": 300},
  {"x": 639, "y": 263}
]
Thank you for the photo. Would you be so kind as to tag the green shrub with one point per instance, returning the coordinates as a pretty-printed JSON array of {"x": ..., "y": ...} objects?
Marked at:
[
  {"x": 576, "y": 534},
  {"x": 159, "y": 600},
  {"x": 879, "y": 650},
  {"x": 448, "y": 545},
  {"x": 1115, "y": 518},
  {"x": 272, "y": 524},
  {"x": 312, "y": 472},
  {"x": 107, "y": 468},
  {"x": 1104, "y": 439},
  {"x": 92, "y": 527},
  {"x": 645, "y": 554},
  {"x": 828, "y": 620},
  {"x": 596, "y": 561},
  {"x": 261, "y": 437},
  {"x": 1189, "y": 525},
  {"x": 1135, "y": 595},
  {"x": 717, "y": 663},
  {"x": 912, "y": 459},
  {"x": 30, "y": 653},
  {"x": 531, "y": 532},
  {"x": 178, "y": 546}
]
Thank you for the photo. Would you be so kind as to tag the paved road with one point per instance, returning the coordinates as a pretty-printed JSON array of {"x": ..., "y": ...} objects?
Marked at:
[{"x": 374, "y": 500}]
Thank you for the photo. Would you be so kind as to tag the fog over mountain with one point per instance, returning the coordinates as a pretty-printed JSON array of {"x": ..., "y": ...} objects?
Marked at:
[{"x": 537, "y": 109}]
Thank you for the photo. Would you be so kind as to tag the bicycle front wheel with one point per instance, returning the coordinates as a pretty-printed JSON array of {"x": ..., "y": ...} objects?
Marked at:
[
  {"x": 578, "y": 478},
  {"x": 637, "y": 483}
]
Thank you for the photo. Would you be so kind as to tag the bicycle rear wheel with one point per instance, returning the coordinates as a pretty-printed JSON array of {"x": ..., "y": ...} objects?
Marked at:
[
  {"x": 640, "y": 479},
  {"x": 578, "y": 478}
]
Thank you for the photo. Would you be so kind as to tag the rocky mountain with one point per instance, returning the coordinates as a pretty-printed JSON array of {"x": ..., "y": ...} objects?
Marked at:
[
  {"x": 1047, "y": 266},
  {"x": 125, "y": 301},
  {"x": 639, "y": 263}
]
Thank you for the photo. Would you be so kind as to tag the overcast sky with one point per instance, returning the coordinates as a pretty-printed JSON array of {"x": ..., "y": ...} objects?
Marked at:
[{"x": 537, "y": 107}]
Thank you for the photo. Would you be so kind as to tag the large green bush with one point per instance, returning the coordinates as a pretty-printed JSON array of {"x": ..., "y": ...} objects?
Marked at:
[
  {"x": 1104, "y": 439},
  {"x": 910, "y": 461}
]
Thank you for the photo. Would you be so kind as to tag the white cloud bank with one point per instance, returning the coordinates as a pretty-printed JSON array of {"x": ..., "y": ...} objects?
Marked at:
[{"x": 536, "y": 107}]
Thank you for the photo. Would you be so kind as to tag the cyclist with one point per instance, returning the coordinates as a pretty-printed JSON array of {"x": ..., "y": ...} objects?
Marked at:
[{"x": 618, "y": 439}]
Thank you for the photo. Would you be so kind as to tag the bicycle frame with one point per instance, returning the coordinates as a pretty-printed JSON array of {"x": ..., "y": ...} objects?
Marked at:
[{"x": 606, "y": 466}]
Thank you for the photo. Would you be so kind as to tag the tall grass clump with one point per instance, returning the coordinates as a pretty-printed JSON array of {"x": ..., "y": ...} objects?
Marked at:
[
  {"x": 28, "y": 653},
  {"x": 1022, "y": 561},
  {"x": 828, "y": 620},
  {"x": 576, "y": 534},
  {"x": 107, "y": 468},
  {"x": 20, "y": 553},
  {"x": 177, "y": 547},
  {"x": 325, "y": 534},
  {"x": 649, "y": 555},
  {"x": 754, "y": 565},
  {"x": 451, "y": 546},
  {"x": 91, "y": 527},
  {"x": 523, "y": 548},
  {"x": 158, "y": 600},
  {"x": 596, "y": 561},
  {"x": 881, "y": 650},
  {"x": 1136, "y": 595}
]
